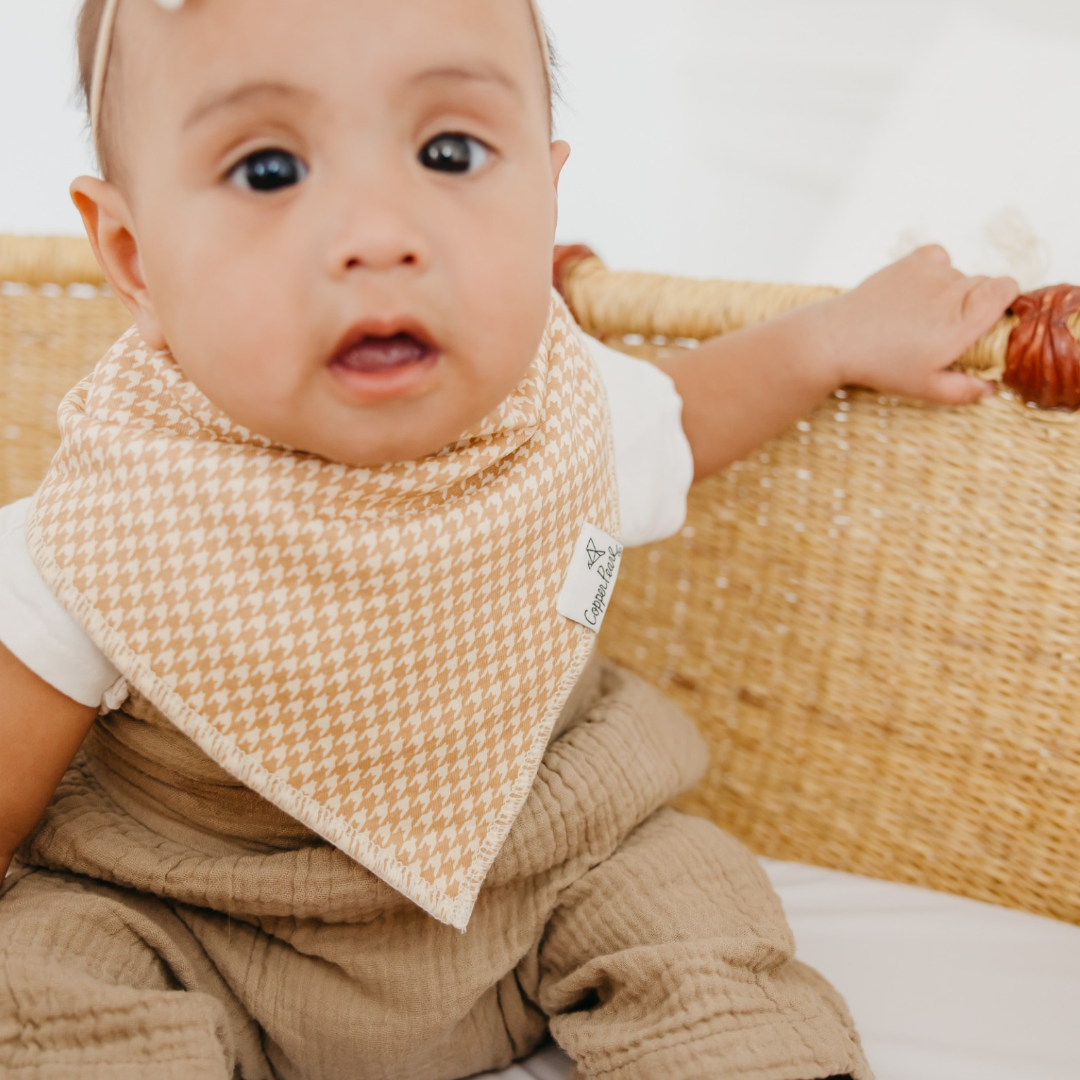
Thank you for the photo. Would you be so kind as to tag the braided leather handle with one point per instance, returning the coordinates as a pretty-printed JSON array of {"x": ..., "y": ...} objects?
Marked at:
[{"x": 1043, "y": 359}]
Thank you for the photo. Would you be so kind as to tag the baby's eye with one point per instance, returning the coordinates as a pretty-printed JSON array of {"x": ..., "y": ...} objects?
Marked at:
[
  {"x": 269, "y": 170},
  {"x": 454, "y": 153}
]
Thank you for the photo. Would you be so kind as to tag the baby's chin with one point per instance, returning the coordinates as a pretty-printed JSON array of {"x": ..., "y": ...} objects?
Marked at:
[
  {"x": 370, "y": 453},
  {"x": 367, "y": 436},
  {"x": 318, "y": 417},
  {"x": 399, "y": 431}
]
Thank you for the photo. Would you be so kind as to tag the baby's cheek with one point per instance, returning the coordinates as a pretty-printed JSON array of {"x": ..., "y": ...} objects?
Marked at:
[{"x": 520, "y": 293}]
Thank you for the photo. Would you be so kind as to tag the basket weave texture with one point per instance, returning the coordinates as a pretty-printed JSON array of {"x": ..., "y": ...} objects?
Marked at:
[{"x": 874, "y": 619}]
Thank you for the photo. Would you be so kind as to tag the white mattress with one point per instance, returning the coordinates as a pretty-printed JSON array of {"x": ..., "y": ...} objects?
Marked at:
[{"x": 941, "y": 988}]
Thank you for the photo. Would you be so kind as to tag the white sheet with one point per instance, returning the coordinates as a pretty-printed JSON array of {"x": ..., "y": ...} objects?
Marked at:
[{"x": 941, "y": 988}]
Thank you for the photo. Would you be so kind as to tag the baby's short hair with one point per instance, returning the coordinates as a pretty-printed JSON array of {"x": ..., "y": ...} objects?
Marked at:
[{"x": 89, "y": 26}]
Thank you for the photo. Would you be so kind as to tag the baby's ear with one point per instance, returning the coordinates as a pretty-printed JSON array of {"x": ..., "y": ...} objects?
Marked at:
[
  {"x": 108, "y": 224},
  {"x": 560, "y": 151}
]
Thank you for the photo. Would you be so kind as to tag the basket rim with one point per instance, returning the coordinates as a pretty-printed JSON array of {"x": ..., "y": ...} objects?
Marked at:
[{"x": 49, "y": 260}]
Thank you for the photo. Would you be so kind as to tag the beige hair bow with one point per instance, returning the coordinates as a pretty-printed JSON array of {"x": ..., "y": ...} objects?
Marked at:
[{"x": 101, "y": 56}]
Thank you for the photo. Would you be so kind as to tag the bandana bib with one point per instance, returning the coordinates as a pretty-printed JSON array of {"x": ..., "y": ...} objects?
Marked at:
[{"x": 376, "y": 651}]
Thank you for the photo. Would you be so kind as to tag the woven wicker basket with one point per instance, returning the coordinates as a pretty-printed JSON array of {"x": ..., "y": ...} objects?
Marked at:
[{"x": 875, "y": 619}]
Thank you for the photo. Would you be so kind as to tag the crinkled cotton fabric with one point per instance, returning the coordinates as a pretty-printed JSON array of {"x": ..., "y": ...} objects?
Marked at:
[{"x": 164, "y": 920}]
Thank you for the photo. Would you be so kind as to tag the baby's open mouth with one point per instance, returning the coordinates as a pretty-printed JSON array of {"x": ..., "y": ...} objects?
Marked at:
[
  {"x": 374, "y": 355},
  {"x": 380, "y": 359}
]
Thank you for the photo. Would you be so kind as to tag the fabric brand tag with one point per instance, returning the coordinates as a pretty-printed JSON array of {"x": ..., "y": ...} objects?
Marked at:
[{"x": 591, "y": 577}]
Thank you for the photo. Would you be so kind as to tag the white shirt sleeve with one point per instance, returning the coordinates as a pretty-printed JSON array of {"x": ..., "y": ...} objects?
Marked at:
[
  {"x": 37, "y": 628},
  {"x": 653, "y": 461},
  {"x": 653, "y": 465}
]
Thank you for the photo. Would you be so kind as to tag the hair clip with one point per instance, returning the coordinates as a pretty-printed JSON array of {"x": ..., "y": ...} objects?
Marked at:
[{"x": 101, "y": 56}]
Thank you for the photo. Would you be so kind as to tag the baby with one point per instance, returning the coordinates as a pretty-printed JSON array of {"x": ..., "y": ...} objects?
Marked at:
[{"x": 314, "y": 581}]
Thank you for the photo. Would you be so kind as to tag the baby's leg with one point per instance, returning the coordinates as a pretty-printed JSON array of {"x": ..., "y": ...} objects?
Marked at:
[
  {"x": 673, "y": 959},
  {"x": 104, "y": 984}
]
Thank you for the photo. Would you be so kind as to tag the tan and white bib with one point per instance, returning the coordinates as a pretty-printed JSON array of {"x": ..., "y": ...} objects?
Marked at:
[{"x": 377, "y": 651}]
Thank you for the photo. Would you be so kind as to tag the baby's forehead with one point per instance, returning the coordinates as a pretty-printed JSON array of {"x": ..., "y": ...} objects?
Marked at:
[
  {"x": 320, "y": 37},
  {"x": 169, "y": 55}
]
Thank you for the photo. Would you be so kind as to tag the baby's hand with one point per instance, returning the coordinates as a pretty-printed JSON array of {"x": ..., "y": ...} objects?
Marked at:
[
  {"x": 895, "y": 333},
  {"x": 902, "y": 326}
]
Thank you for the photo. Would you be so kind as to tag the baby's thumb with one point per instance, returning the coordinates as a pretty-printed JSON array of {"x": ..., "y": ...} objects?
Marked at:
[{"x": 957, "y": 388}]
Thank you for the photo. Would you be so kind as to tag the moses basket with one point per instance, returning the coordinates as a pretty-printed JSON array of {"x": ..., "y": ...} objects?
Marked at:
[{"x": 875, "y": 619}]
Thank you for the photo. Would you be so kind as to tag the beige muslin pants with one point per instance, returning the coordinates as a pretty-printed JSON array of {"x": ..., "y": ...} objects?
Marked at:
[{"x": 166, "y": 924}]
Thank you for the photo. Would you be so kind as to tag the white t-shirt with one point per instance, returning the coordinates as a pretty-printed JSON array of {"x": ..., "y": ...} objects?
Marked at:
[{"x": 653, "y": 465}]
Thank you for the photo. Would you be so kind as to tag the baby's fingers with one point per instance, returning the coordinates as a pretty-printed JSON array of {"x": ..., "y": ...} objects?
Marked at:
[
  {"x": 985, "y": 301},
  {"x": 956, "y": 388},
  {"x": 934, "y": 253}
]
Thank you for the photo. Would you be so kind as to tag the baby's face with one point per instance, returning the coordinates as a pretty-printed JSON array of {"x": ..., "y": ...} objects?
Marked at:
[{"x": 343, "y": 210}]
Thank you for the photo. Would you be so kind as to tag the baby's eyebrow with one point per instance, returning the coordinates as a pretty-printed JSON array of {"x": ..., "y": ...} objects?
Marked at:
[
  {"x": 243, "y": 95},
  {"x": 466, "y": 73}
]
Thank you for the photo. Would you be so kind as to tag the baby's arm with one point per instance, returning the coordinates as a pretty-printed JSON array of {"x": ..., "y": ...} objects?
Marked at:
[
  {"x": 40, "y": 732},
  {"x": 895, "y": 333}
]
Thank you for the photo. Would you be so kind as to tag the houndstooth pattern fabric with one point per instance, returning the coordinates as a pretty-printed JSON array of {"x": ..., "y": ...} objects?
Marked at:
[{"x": 376, "y": 651}]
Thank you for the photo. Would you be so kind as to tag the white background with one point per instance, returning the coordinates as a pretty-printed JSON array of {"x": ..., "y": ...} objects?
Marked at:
[{"x": 774, "y": 139}]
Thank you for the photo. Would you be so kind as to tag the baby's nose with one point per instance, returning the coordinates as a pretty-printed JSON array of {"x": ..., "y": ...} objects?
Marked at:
[{"x": 377, "y": 236}]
